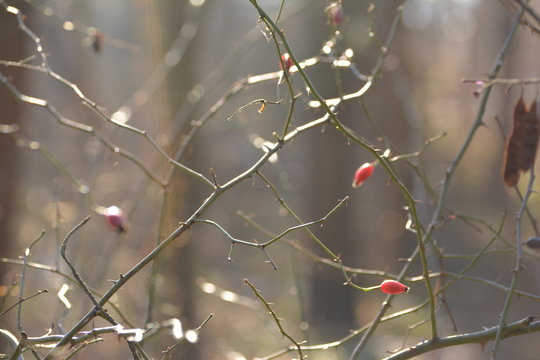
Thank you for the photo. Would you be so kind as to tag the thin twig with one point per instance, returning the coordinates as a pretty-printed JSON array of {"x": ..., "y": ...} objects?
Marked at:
[
  {"x": 55, "y": 270},
  {"x": 73, "y": 270},
  {"x": 484, "y": 84},
  {"x": 54, "y": 161},
  {"x": 167, "y": 353},
  {"x": 12, "y": 340},
  {"x": 517, "y": 268},
  {"x": 263, "y": 103},
  {"x": 276, "y": 319},
  {"x": 81, "y": 127},
  {"x": 23, "y": 278},
  {"x": 82, "y": 346},
  {"x": 296, "y": 217},
  {"x": 533, "y": 221},
  {"x": 39, "y": 292},
  {"x": 524, "y": 326},
  {"x": 264, "y": 245},
  {"x": 87, "y": 335},
  {"x": 530, "y": 10},
  {"x": 134, "y": 347},
  {"x": 78, "y": 26},
  {"x": 17, "y": 353},
  {"x": 181, "y": 229},
  {"x": 45, "y": 67}
]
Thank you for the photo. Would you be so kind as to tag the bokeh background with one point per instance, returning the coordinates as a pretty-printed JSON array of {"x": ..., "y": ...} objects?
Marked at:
[{"x": 161, "y": 66}]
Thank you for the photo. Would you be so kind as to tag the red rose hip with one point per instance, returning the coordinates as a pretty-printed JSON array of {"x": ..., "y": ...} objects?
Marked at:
[
  {"x": 362, "y": 174},
  {"x": 335, "y": 13},
  {"x": 115, "y": 218},
  {"x": 287, "y": 61},
  {"x": 393, "y": 287}
]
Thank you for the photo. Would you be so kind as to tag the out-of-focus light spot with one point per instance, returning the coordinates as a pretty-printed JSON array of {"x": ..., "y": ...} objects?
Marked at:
[
  {"x": 459, "y": 24},
  {"x": 162, "y": 139},
  {"x": 68, "y": 25},
  {"x": 267, "y": 146},
  {"x": 196, "y": 93},
  {"x": 159, "y": 280},
  {"x": 228, "y": 296},
  {"x": 122, "y": 115},
  {"x": 418, "y": 14},
  {"x": 349, "y": 53},
  {"x": 62, "y": 296},
  {"x": 172, "y": 57},
  {"x": 33, "y": 145},
  {"x": 391, "y": 62},
  {"x": 188, "y": 31},
  {"x": 12, "y": 10},
  {"x": 197, "y": 2},
  {"x": 177, "y": 329},
  {"x": 48, "y": 11},
  {"x": 328, "y": 46},
  {"x": 329, "y": 102},
  {"x": 83, "y": 189},
  {"x": 257, "y": 141},
  {"x": 208, "y": 288},
  {"x": 137, "y": 336},
  {"x": 408, "y": 225},
  {"x": 139, "y": 98},
  {"x": 326, "y": 49},
  {"x": 293, "y": 291},
  {"x": 63, "y": 211},
  {"x": 8, "y": 128},
  {"x": 235, "y": 356},
  {"x": 342, "y": 63},
  {"x": 113, "y": 210},
  {"x": 309, "y": 62},
  {"x": 192, "y": 336},
  {"x": 467, "y": 2},
  {"x": 304, "y": 325}
]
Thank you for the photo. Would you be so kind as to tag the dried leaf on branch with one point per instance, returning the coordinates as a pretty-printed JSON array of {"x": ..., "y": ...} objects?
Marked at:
[{"x": 523, "y": 142}]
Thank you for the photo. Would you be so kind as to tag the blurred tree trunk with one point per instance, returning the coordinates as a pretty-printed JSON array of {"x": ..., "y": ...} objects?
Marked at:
[
  {"x": 177, "y": 263},
  {"x": 365, "y": 235},
  {"x": 10, "y": 110},
  {"x": 331, "y": 306}
]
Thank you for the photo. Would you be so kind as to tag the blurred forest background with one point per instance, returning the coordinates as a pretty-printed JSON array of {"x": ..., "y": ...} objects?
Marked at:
[{"x": 161, "y": 66}]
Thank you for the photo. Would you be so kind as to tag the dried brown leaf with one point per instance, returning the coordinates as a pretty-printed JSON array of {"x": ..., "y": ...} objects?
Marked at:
[{"x": 523, "y": 142}]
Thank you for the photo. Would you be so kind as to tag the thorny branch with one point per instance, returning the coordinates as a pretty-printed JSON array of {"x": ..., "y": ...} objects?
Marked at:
[{"x": 424, "y": 235}]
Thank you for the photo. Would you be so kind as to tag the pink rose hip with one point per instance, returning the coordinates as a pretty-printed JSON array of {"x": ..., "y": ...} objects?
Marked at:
[
  {"x": 362, "y": 174},
  {"x": 115, "y": 218},
  {"x": 393, "y": 287}
]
